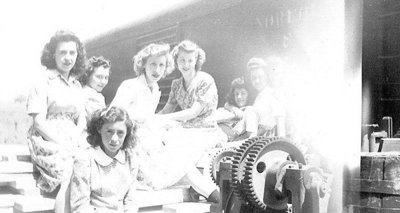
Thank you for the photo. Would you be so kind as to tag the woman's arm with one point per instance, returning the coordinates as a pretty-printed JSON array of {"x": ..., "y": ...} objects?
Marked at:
[
  {"x": 168, "y": 108},
  {"x": 80, "y": 187},
  {"x": 130, "y": 201},
  {"x": 123, "y": 96},
  {"x": 185, "y": 114},
  {"x": 235, "y": 110},
  {"x": 42, "y": 126}
]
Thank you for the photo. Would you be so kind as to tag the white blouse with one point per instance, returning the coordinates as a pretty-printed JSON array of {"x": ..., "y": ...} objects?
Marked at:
[{"x": 135, "y": 96}]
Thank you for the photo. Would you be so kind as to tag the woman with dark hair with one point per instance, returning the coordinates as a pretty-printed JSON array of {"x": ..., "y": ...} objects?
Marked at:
[
  {"x": 104, "y": 177},
  {"x": 93, "y": 81},
  {"x": 232, "y": 117},
  {"x": 56, "y": 107}
]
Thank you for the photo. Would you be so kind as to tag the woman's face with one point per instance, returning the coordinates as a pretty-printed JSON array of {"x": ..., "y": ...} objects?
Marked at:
[
  {"x": 258, "y": 79},
  {"x": 65, "y": 56},
  {"x": 112, "y": 137},
  {"x": 99, "y": 78},
  {"x": 241, "y": 95},
  {"x": 186, "y": 62},
  {"x": 155, "y": 68}
]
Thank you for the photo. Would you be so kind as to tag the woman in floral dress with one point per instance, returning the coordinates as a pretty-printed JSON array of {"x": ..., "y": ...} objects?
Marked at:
[{"x": 56, "y": 107}]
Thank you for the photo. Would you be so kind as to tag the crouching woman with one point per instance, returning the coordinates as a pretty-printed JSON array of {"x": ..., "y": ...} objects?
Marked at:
[{"x": 104, "y": 180}]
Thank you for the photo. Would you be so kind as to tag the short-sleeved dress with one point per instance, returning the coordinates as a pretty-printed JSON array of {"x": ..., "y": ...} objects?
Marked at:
[
  {"x": 103, "y": 184},
  {"x": 93, "y": 100},
  {"x": 182, "y": 147},
  {"x": 164, "y": 154},
  {"x": 202, "y": 90},
  {"x": 135, "y": 96},
  {"x": 62, "y": 103}
]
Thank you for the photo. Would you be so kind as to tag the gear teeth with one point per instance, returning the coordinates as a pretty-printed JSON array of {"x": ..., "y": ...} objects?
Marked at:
[
  {"x": 254, "y": 153},
  {"x": 217, "y": 157}
]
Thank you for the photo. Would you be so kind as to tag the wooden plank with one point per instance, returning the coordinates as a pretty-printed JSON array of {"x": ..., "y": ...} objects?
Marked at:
[
  {"x": 11, "y": 152},
  {"x": 366, "y": 209},
  {"x": 6, "y": 210},
  {"x": 199, "y": 207},
  {"x": 391, "y": 144},
  {"x": 166, "y": 196},
  {"x": 375, "y": 186},
  {"x": 372, "y": 169},
  {"x": 33, "y": 204},
  {"x": 392, "y": 173},
  {"x": 20, "y": 183},
  {"x": 7, "y": 200},
  {"x": 7, "y": 167}
]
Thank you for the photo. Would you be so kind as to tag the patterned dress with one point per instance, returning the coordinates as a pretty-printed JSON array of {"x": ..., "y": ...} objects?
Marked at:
[
  {"x": 93, "y": 101},
  {"x": 202, "y": 90},
  {"x": 103, "y": 184},
  {"x": 60, "y": 100},
  {"x": 166, "y": 154},
  {"x": 173, "y": 151}
]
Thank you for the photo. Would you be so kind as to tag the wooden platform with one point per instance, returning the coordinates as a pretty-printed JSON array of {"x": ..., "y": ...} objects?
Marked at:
[{"x": 19, "y": 194}]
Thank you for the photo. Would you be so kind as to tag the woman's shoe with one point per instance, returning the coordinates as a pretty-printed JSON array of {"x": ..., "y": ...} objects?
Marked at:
[{"x": 214, "y": 197}]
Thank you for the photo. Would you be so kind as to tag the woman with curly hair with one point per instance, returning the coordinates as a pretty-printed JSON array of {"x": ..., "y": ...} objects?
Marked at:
[
  {"x": 195, "y": 92},
  {"x": 104, "y": 178},
  {"x": 196, "y": 95},
  {"x": 93, "y": 81},
  {"x": 57, "y": 108},
  {"x": 140, "y": 95}
]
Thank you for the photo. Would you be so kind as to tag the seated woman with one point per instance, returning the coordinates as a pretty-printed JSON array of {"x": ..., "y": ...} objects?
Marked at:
[
  {"x": 268, "y": 111},
  {"x": 196, "y": 95},
  {"x": 104, "y": 178},
  {"x": 56, "y": 107},
  {"x": 163, "y": 160},
  {"x": 93, "y": 81},
  {"x": 231, "y": 118}
]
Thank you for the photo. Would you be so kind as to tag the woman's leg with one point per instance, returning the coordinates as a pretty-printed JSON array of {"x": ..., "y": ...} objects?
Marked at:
[
  {"x": 62, "y": 204},
  {"x": 202, "y": 184}
]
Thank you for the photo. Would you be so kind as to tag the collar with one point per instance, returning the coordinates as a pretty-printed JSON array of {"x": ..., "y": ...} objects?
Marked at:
[
  {"x": 142, "y": 80},
  {"x": 90, "y": 89},
  {"x": 52, "y": 74},
  {"x": 103, "y": 159}
]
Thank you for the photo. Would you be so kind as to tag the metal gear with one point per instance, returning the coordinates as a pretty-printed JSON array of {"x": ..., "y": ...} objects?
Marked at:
[
  {"x": 238, "y": 166},
  {"x": 220, "y": 155},
  {"x": 261, "y": 164}
]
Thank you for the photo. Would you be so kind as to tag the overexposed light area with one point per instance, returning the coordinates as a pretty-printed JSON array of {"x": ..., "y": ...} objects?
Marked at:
[
  {"x": 324, "y": 101},
  {"x": 25, "y": 27}
]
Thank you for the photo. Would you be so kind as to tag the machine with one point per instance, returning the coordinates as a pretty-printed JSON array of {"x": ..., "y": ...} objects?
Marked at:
[{"x": 265, "y": 175}]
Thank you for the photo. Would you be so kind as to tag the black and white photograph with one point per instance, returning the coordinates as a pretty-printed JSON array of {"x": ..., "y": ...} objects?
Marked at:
[{"x": 200, "y": 106}]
